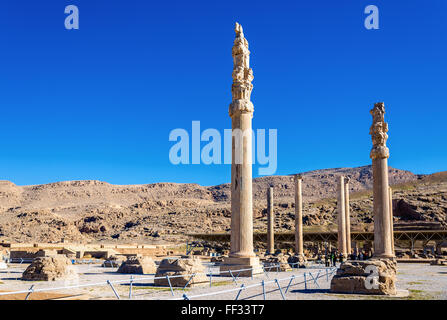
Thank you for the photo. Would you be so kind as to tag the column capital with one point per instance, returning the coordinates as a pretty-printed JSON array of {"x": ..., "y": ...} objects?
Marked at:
[
  {"x": 378, "y": 132},
  {"x": 242, "y": 76}
]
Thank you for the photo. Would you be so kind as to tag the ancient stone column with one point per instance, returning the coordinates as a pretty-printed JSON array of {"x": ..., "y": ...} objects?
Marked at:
[
  {"x": 270, "y": 221},
  {"x": 348, "y": 217},
  {"x": 241, "y": 113},
  {"x": 383, "y": 237},
  {"x": 298, "y": 216},
  {"x": 391, "y": 220},
  {"x": 341, "y": 217}
]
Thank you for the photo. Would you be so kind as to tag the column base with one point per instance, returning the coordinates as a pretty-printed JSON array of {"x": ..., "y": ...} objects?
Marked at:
[
  {"x": 234, "y": 264},
  {"x": 374, "y": 276}
]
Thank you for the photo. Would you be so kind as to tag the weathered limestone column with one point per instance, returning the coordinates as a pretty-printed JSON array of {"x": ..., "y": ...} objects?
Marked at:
[
  {"x": 270, "y": 221},
  {"x": 383, "y": 247},
  {"x": 299, "y": 248},
  {"x": 347, "y": 218},
  {"x": 354, "y": 276},
  {"x": 241, "y": 113},
  {"x": 391, "y": 220},
  {"x": 341, "y": 217}
]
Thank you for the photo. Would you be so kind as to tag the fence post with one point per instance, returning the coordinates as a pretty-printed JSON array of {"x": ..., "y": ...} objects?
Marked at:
[
  {"x": 170, "y": 286},
  {"x": 114, "y": 291},
  {"x": 242, "y": 288},
  {"x": 193, "y": 275},
  {"x": 280, "y": 290},
  {"x": 185, "y": 297},
  {"x": 290, "y": 282},
  {"x": 31, "y": 290},
  {"x": 211, "y": 276},
  {"x": 305, "y": 282},
  {"x": 327, "y": 275},
  {"x": 130, "y": 287},
  {"x": 263, "y": 289},
  {"x": 232, "y": 276}
]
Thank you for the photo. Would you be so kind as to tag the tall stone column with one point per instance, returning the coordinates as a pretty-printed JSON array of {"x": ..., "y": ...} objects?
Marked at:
[
  {"x": 270, "y": 222},
  {"x": 383, "y": 247},
  {"x": 299, "y": 247},
  {"x": 354, "y": 276},
  {"x": 341, "y": 217},
  {"x": 241, "y": 113},
  {"x": 348, "y": 218},
  {"x": 391, "y": 220}
]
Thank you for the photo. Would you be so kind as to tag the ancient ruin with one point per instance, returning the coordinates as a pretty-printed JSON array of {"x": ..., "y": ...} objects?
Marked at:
[
  {"x": 299, "y": 259},
  {"x": 341, "y": 218},
  {"x": 138, "y": 265},
  {"x": 181, "y": 272},
  {"x": 49, "y": 269},
  {"x": 353, "y": 276},
  {"x": 347, "y": 218},
  {"x": 241, "y": 113},
  {"x": 270, "y": 222}
]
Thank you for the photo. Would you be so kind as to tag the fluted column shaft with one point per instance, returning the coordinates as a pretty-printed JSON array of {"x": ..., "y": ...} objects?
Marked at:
[
  {"x": 299, "y": 247},
  {"x": 348, "y": 218},
  {"x": 341, "y": 216},
  {"x": 270, "y": 221}
]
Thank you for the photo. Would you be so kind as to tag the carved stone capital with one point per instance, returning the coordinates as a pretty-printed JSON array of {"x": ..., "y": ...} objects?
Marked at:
[
  {"x": 378, "y": 132},
  {"x": 242, "y": 75}
]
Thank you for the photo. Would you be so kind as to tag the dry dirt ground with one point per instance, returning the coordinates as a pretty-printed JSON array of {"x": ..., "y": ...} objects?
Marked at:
[
  {"x": 422, "y": 280},
  {"x": 84, "y": 211}
]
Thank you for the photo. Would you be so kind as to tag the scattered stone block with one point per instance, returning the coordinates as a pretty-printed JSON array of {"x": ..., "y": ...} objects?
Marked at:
[
  {"x": 50, "y": 269},
  {"x": 352, "y": 277},
  {"x": 138, "y": 265},
  {"x": 183, "y": 269}
]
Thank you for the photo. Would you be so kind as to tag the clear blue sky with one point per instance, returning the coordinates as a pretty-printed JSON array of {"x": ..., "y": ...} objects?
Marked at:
[{"x": 99, "y": 102}]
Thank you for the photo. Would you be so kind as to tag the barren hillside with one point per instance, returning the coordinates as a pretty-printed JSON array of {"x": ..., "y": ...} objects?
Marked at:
[{"x": 98, "y": 211}]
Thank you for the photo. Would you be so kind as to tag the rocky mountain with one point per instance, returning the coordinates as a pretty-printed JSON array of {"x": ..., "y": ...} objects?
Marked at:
[{"x": 98, "y": 211}]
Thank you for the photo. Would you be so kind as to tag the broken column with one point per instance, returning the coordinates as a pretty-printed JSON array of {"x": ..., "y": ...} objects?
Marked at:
[
  {"x": 341, "y": 217},
  {"x": 270, "y": 221},
  {"x": 347, "y": 218},
  {"x": 377, "y": 275},
  {"x": 241, "y": 113}
]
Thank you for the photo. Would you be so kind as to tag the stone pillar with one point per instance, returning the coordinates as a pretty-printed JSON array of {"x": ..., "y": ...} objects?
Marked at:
[
  {"x": 383, "y": 247},
  {"x": 341, "y": 217},
  {"x": 299, "y": 248},
  {"x": 270, "y": 221},
  {"x": 391, "y": 220},
  {"x": 353, "y": 276},
  {"x": 348, "y": 218},
  {"x": 241, "y": 113}
]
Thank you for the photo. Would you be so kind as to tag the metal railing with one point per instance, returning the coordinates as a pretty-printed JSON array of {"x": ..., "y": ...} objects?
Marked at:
[{"x": 235, "y": 274}]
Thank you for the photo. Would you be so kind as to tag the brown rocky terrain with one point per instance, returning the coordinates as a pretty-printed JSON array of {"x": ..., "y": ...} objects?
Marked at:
[{"x": 85, "y": 211}]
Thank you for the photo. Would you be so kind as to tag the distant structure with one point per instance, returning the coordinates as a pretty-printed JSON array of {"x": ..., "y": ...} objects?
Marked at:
[{"x": 241, "y": 113}]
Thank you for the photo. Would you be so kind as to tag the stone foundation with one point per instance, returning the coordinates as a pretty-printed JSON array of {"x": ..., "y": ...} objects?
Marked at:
[
  {"x": 277, "y": 263},
  {"x": 297, "y": 261},
  {"x": 234, "y": 264},
  {"x": 439, "y": 262},
  {"x": 183, "y": 269},
  {"x": 138, "y": 265},
  {"x": 353, "y": 277},
  {"x": 50, "y": 269}
]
